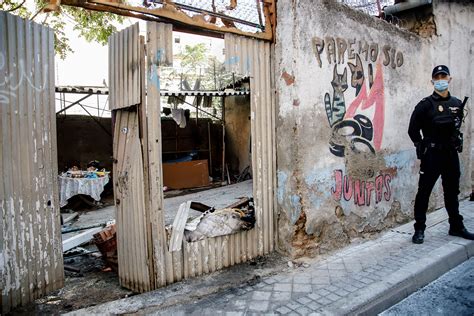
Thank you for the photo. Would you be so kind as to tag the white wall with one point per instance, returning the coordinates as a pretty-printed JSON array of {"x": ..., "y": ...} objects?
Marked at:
[{"x": 314, "y": 213}]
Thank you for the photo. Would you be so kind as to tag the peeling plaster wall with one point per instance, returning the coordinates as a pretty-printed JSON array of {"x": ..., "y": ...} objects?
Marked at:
[{"x": 346, "y": 85}]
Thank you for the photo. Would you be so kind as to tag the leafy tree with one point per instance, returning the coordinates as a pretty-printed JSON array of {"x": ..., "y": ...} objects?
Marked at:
[
  {"x": 93, "y": 26},
  {"x": 194, "y": 56}
]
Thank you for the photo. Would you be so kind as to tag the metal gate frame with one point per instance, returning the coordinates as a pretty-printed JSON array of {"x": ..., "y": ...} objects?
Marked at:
[{"x": 249, "y": 56}]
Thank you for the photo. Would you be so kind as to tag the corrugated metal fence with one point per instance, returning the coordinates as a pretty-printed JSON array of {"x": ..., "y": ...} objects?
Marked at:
[
  {"x": 124, "y": 76},
  {"x": 31, "y": 262},
  {"x": 246, "y": 56}
]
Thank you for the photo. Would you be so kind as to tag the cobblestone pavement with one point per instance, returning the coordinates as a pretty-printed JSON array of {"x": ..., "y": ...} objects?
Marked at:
[{"x": 348, "y": 279}]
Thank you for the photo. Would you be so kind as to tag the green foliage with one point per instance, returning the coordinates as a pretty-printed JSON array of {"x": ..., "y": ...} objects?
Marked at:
[
  {"x": 93, "y": 26},
  {"x": 194, "y": 56}
]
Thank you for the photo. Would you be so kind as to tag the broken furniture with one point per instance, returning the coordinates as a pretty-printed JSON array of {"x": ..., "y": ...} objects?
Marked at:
[
  {"x": 185, "y": 175},
  {"x": 69, "y": 187}
]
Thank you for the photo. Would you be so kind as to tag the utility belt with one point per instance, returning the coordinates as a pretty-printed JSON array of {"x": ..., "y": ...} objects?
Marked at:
[
  {"x": 455, "y": 142},
  {"x": 440, "y": 146}
]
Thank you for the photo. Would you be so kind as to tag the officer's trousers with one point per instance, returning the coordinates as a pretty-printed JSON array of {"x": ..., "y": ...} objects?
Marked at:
[{"x": 437, "y": 162}]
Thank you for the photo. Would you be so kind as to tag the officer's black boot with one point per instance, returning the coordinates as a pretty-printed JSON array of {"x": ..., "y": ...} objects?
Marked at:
[
  {"x": 461, "y": 232},
  {"x": 418, "y": 236}
]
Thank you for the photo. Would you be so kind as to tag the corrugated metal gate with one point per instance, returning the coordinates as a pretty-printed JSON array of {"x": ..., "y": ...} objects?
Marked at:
[
  {"x": 142, "y": 206},
  {"x": 31, "y": 262}
]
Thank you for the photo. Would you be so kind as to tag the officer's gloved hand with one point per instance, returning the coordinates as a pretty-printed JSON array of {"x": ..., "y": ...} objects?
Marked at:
[{"x": 420, "y": 150}]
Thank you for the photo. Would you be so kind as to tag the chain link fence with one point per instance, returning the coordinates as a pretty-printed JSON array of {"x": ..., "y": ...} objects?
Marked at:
[{"x": 370, "y": 7}]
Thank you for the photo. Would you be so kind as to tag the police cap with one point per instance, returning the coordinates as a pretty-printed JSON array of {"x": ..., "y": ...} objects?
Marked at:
[{"x": 440, "y": 69}]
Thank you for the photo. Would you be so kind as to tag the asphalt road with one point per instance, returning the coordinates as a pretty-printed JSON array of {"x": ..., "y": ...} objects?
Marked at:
[{"x": 451, "y": 294}]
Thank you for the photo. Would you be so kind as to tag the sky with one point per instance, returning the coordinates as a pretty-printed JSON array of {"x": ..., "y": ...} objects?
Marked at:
[{"x": 88, "y": 65}]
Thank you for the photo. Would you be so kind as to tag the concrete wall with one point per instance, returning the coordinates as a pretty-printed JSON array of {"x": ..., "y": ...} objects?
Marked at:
[
  {"x": 237, "y": 130},
  {"x": 346, "y": 85}
]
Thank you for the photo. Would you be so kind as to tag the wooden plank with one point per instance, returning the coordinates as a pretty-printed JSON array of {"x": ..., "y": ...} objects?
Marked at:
[
  {"x": 129, "y": 223},
  {"x": 178, "y": 226},
  {"x": 146, "y": 286},
  {"x": 145, "y": 279},
  {"x": 172, "y": 14},
  {"x": 80, "y": 239},
  {"x": 133, "y": 211},
  {"x": 154, "y": 154},
  {"x": 144, "y": 150}
]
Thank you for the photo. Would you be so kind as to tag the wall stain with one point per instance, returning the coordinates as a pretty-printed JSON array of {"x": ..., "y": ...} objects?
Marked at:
[{"x": 289, "y": 79}]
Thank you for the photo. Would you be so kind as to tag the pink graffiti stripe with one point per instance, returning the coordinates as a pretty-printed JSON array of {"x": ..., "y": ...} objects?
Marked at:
[{"x": 374, "y": 98}]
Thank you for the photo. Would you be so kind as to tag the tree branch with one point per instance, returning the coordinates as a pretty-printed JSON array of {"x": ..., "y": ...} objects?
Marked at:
[{"x": 17, "y": 7}]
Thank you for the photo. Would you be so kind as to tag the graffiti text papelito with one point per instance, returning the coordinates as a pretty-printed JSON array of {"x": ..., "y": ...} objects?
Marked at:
[{"x": 336, "y": 50}]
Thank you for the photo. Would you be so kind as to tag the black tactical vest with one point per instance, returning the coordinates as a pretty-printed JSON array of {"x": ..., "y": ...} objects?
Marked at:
[{"x": 446, "y": 120}]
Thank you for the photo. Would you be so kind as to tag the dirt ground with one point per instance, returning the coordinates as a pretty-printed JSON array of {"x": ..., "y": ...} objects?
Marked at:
[{"x": 94, "y": 283}]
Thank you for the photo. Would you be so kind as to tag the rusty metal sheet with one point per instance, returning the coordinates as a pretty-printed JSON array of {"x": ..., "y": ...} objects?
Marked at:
[{"x": 31, "y": 262}]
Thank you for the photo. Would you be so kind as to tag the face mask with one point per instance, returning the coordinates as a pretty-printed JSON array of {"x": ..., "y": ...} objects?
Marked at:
[{"x": 441, "y": 85}]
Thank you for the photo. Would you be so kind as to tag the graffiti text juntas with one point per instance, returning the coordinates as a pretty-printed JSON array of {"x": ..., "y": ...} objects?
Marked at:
[
  {"x": 338, "y": 49},
  {"x": 362, "y": 192}
]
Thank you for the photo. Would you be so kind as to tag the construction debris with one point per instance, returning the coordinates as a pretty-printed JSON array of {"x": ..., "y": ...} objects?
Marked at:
[
  {"x": 65, "y": 230},
  {"x": 80, "y": 239},
  {"x": 106, "y": 242},
  {"x": 179, "y": 224},
  {"x": 212, "y": 223}
]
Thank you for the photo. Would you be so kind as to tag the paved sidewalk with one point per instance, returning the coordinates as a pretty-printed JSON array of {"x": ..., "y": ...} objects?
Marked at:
[{"x": 359, "y": 279}]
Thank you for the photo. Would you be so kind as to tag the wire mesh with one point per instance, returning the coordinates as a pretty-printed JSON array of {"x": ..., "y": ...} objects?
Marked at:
[
  {"x": 368, "y": 6},
  {"x": 248, "y": 11}
]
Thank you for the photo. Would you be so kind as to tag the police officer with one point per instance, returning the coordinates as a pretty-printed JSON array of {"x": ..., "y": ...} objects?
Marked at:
[{"x": 439, "y": 118}]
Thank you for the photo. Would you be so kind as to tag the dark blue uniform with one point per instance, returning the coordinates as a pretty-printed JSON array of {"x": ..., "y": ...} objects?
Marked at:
[{"x": 439, "y": 120}]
